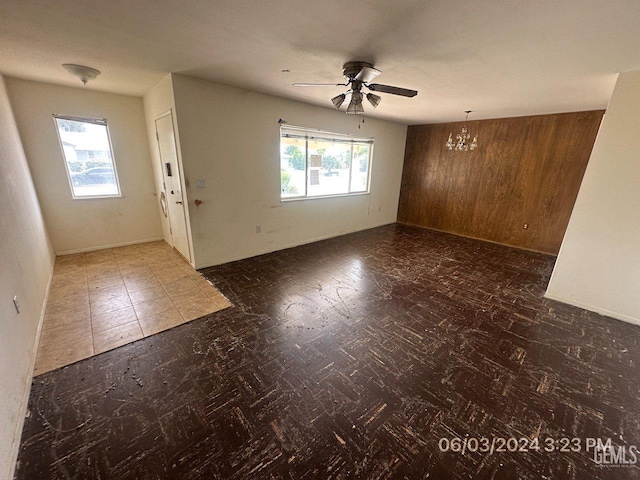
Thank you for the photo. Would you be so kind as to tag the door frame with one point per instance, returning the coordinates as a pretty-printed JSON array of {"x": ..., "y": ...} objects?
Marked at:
[{"x": 185, "y": 210}]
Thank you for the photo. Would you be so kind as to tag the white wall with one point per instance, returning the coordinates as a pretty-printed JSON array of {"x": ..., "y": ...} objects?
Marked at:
[
  {"x": 85, "y": 224},
  {"x": 230, "y": 138},
  {"x": 598, "y": 267},
  {"x": 26, "y": 264}
]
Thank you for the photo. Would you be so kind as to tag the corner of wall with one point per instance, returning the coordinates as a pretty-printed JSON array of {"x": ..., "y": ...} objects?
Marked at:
[
  {"x": 27, "y": 258},
  {"x": 597, "y": 267}
]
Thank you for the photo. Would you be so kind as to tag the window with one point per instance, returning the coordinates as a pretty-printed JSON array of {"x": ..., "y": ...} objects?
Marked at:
[
  {"x": 86, "y": 147},
  {"x": 319, "y": 164}
]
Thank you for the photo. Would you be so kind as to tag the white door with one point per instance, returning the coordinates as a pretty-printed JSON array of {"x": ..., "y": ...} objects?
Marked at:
[{"x": 172, "y": 184}]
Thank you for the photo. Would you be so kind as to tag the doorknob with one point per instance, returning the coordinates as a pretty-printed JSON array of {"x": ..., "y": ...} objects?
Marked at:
[{"x": 178, "y": 203}]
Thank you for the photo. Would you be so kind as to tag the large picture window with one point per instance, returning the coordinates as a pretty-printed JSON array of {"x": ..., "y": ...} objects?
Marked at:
[
  {"x": 319, "y": 164},
  {"x": 86, "y": 147}
]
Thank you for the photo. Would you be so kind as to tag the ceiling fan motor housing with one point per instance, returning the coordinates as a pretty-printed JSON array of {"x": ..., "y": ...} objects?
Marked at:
[{"x": 351, "y": 69}]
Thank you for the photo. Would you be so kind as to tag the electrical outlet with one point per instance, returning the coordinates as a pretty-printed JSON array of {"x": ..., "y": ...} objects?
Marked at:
[
  {"x": 200, "y": 183},
  {"x": 525, "y": 226},
  {"x": 258, "y": 229},
  {"x": 16, "y": 304}
]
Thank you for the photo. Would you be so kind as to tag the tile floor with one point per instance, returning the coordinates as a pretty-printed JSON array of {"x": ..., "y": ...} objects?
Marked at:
[{"x": 107, "y": 298}]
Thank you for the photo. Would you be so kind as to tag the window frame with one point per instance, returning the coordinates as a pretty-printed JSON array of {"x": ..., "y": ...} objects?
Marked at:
[
  {"x": 96, "y": 121},
  {"x": 323, "y": 135}
]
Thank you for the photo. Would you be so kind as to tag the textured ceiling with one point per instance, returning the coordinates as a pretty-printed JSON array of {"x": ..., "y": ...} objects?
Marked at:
[{"x": 498, "y": 58}]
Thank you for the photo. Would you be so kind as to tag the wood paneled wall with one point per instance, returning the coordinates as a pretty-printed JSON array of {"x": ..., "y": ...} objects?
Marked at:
[{"x": 526, "y": 170}]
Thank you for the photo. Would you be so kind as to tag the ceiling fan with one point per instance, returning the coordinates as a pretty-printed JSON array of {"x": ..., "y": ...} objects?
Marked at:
[{"x": 358, "y": 75}]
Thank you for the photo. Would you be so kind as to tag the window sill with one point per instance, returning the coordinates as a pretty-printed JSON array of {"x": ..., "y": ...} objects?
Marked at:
[
  {"x": 100, "y": 197},
  {"x": 320, "y": 197}
]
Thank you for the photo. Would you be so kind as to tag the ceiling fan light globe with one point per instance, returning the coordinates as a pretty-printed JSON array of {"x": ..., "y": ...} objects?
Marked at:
[
  {"x": 355, "y": 105},
  {"x": 355, "y": 109},
  {"x": 338, "y": 100},
  {"x": 374, "y": 99}
]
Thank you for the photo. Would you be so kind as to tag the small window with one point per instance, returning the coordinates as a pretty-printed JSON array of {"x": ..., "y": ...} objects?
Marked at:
[
  {"x": 86, "y": 147},
  {"x": 320, "y": 164}
]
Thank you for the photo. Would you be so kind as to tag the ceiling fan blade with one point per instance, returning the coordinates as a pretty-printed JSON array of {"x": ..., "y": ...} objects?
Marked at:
[
  {"x": 405, "y": 92},
  {"x": 367, "y": 74},
  {"x": 320, "y": 84}
]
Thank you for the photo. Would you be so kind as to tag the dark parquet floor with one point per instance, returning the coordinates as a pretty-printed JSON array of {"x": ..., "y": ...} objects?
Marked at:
[{"x": 351, "y": 358}]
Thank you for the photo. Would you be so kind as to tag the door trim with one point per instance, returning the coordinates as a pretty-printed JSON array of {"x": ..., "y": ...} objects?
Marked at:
[{"x": 185, "y": 210}]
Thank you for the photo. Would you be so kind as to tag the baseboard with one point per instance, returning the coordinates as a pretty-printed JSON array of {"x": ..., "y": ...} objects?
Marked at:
[
  {"x": 17, "y": 436},
  {"x": 289, "y": 245},
  {"x": 113, "y": 245},
  {"x": 591, "y": 308},
  {"x": 479, "y": 239}
]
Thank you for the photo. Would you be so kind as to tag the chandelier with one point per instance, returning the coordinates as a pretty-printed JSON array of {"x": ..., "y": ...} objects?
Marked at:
[{"x": 462, "y": 139}]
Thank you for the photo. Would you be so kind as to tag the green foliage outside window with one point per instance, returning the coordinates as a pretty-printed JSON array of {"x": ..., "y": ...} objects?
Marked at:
[
  {"x": 297, "y": 160},
  {"x": 285, "y": 182},
  {"x": 330, "y": 162}
]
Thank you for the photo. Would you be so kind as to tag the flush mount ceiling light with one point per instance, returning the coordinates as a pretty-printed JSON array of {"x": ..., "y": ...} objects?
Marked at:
[
  {"x": 83, "y": 73},
  {"x": 462, "y": 139},
  {"x": 358, "y": 75}
]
